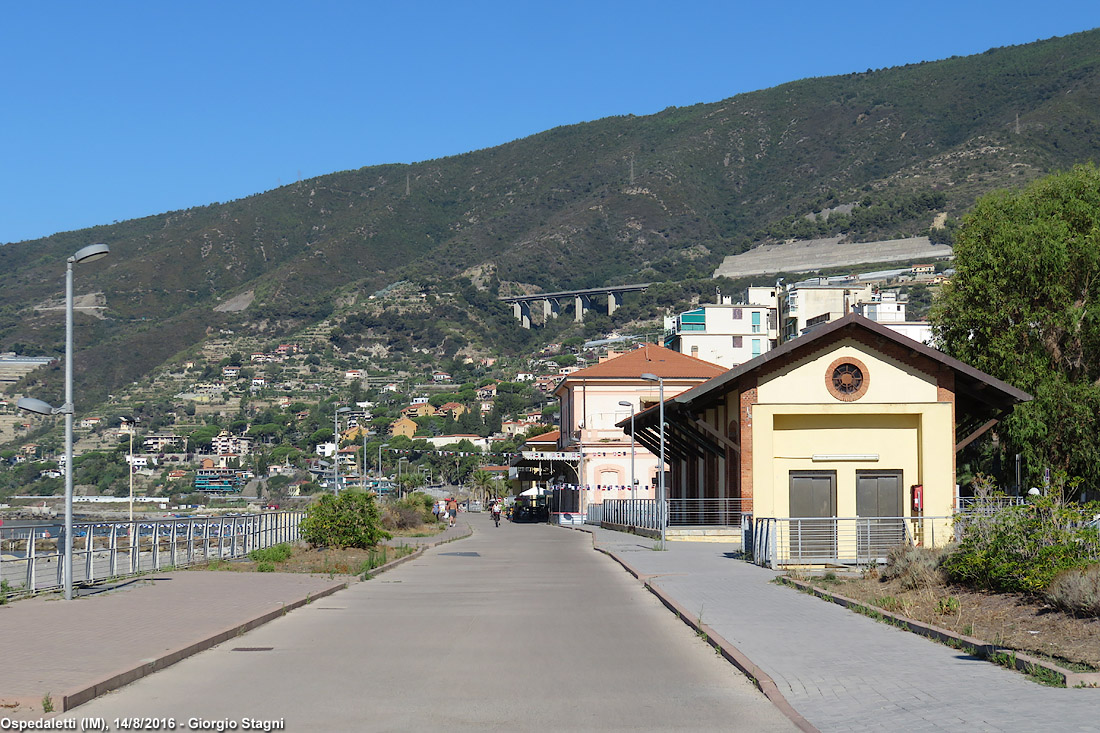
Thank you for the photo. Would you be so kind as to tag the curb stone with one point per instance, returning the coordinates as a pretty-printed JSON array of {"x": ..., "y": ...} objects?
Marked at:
[
  {"x": 759, "y": 678},
  {"x": 413, "y": 555},
  {"x": 77, "y": 696}
]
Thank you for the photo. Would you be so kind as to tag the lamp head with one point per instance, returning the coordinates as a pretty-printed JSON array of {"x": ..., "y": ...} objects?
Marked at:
[
  {"x": 91, "y": 253},
  {"x": 343, "y": 409},
  {"x": 624, "y": 403},
  {"x": 651, "y": 377},
  {"x": 30, "y": 404}
]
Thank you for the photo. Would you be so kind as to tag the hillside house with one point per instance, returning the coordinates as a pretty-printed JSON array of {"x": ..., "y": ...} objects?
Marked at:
[
  {"x": 403, "y": 426},
  {"x": 424, "y": 409},
  {"x": 158, "y": 442},
  {"x": 454, "y": 410},
  {"x": 223, "y": 443}
]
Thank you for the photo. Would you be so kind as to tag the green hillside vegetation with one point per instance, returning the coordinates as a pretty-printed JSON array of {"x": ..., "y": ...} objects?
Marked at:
[{"x": 659, "y": 198}]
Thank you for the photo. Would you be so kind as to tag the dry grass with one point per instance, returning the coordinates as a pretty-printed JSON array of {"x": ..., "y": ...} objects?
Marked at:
[{"x": 1011, "y": 620}]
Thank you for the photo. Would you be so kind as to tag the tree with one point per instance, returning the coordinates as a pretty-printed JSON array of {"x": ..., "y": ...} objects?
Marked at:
[
  {"x": 1024, "y": 306},
  {"x": 351, "y": 519}
]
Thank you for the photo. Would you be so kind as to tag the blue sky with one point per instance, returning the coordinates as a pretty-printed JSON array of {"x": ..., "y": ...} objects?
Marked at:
[{"x": 116, "y": 110}]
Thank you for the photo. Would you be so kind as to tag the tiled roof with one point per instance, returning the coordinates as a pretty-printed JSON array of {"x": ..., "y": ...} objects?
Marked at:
[
  {"x": 651, "y": 359},
  {"x": 551, "y": 437}
]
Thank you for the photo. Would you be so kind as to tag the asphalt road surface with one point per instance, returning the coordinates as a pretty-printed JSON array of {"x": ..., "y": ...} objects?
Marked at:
[{"x": 518, "y": 628}]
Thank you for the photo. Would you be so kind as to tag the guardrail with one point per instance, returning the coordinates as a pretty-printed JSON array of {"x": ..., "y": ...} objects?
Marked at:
[
  {"x": 641, "y": 513},
  {"x": 679, "y": 512},
  {"x": 32, "y": 557},
  {"x": 706, "y": 512},
  {"x": 842, "y": 540},
  {"x": 989, "y": 504}
]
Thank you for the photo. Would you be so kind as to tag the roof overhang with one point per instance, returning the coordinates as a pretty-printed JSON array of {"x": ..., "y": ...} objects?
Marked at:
[{"x": 979, "y": 397}]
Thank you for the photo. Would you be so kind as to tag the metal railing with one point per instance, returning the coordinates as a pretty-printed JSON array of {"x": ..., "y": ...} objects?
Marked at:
[
  {"x": 32, "y": 557},
  {"x": 706, "y": 512},
  {"x": 988, "y": 504},
  {"x": 842, "y": 540},
  {"x": 679, "y": 512},
  {"x": 641, "y": 513}
]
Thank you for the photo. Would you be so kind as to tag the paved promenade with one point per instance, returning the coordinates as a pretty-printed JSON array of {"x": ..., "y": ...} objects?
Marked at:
[
  {"x": 518, "y": 628},
  {"x": 113, "y": 634},
  {"x": 840, "y": 670},
  {"x": 68, "y": 649}
]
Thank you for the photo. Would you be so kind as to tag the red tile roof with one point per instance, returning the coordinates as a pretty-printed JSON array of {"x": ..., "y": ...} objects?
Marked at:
[
  {"x": 551, "y": 437},
  {"x": 651, "y": 359}
]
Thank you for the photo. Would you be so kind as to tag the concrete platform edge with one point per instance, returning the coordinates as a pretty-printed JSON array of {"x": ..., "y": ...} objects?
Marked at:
[{"x": 80, "y": 695}]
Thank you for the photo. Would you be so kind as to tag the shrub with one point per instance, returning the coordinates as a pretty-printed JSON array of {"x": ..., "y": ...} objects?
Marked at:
[
  {"x": 265, "y": 567},
  {"x": 350, "y": 519},
  {"x": 409, "y": 512},
  {"x": 948, "y": 605},
  {"x": 275, "y": 553},
  {"x": 914, "y": 567},
  {"x": 1022, "y": 548},
  {"x": 1076, "y": 590}
]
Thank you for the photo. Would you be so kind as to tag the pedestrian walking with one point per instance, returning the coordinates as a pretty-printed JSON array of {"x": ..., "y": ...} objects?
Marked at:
[{"x": 452, "y": 511}]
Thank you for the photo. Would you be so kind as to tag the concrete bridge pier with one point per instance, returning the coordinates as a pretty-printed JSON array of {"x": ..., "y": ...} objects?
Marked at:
[
  {"x": 581, "y": 304},
  {"x": 551, "y": 308},
  {"x": 614, "y": 302}
]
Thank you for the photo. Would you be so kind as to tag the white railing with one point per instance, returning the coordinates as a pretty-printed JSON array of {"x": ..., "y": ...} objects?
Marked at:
[
  {"x": 706, "y": 512},
  {"x": 988, "y": 504},
  {"x": 842, "y": 540},
  {"x": 678, "y": 513},
  {"x": 640, "y": 513},
  {"x": 32, "y": 557}
]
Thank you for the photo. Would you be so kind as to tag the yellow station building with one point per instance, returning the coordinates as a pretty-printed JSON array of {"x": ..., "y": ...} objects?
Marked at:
[{"x": 839, "y": 443}]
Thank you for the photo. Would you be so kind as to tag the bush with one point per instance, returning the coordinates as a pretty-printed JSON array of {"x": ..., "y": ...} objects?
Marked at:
[
  {"x": 410, "y": 512},
  {"x": 275, "y": 553},
  {"x": 1022, "y": 548},
  {"x": 914, "y": 567},
  {"x": 348, "y": 520},
  {"x": 1076, "y": 590}
]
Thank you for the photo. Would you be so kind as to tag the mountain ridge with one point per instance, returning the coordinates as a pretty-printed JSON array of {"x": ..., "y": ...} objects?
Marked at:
[{"x": 659, "y": 197}]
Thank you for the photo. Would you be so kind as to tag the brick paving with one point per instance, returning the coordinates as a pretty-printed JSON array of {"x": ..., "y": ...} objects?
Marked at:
[
  {"x": 61, "y": 649},
  {"x": 840, "y": 670}
]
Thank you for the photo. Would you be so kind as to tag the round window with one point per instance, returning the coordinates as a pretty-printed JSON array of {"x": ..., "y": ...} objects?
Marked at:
[{"x": 847, "y": 379}]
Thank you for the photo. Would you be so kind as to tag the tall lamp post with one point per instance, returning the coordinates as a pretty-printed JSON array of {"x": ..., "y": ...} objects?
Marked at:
[
  {"x": 132, "y": 423},
  {"x": 336, "y": 447},
  {"x": 661, "y": 465},
  {"x": 86, "y": 254},
  {"x": 633, "y": 483},
  {"x": 384, "y": 445},
  {"x": 399, "y": 486}
]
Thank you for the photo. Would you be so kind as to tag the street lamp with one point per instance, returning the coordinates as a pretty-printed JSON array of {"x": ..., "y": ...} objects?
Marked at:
[
  {"x": 132, "y": 423},
  {"x": 633, "y": 483},
  {"x": 336, "y": 447},
  {"x": 399, "y": 486},
  {"x": 87, "y": 254},
  {"x": 384, "y": 445},
  {"x": 661, "y": 465}
]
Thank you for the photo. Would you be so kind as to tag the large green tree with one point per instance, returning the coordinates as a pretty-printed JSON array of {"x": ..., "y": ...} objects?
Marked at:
[{"x": 1024, "y": 306}]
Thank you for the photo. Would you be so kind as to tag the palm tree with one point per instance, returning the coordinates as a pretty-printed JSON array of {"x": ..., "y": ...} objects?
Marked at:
[{"x": 484, "y": 483}]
